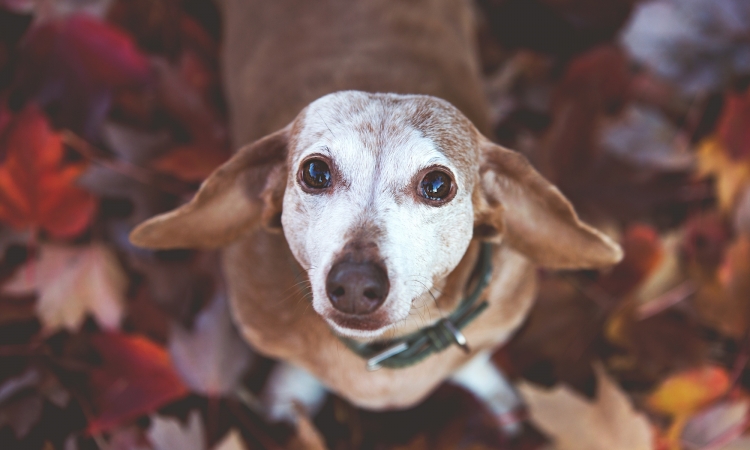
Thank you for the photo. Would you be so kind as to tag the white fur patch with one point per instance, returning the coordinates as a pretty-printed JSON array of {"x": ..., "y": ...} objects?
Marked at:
[{"x": 377, "y": 154}]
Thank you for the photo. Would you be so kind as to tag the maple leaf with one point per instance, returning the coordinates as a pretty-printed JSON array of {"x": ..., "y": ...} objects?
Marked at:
[
  {"x": 213, "y": 357},
  {"x": 575, "y": 423},
  {"x": 36, "y": 186},
  {"x": 136, "y": 378},
  {"x": 72, "y": 282}
]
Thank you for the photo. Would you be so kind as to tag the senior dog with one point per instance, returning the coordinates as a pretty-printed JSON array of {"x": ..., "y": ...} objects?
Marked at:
[{"x": 371, "y": 234}]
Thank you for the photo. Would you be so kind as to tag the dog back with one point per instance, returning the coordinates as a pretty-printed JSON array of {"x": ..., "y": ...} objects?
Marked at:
[{"x": 280, "y": 55}]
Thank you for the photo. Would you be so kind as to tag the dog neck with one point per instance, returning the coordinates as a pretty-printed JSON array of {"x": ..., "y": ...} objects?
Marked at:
[{"x": 415, "y": 347}]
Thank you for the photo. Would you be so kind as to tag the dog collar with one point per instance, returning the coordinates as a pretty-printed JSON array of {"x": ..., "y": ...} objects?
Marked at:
[{"x": 415, "y": 347}]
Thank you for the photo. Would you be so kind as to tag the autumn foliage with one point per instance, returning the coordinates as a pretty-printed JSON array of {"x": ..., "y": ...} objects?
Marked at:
[{"x": 112, "y": 112}]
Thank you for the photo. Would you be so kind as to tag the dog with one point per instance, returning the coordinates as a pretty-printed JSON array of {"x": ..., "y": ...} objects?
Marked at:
[{"x": 367, "y": 203}]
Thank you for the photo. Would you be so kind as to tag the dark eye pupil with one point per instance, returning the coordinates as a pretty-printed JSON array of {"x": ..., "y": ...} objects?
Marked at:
[
  {"x": 316, "y": 174},
  {"x": 436, "y": 185}
]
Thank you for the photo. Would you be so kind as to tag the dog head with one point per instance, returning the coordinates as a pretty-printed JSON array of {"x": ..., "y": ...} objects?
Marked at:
[{"x": 381, "y": 195}]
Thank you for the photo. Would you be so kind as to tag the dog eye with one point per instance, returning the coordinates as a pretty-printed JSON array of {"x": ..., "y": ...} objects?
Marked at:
[
  {"x": 436, "y": 186},
  {"x": 316, "y": 174}
]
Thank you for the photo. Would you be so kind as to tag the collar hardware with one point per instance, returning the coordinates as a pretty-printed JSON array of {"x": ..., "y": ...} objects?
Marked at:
[{"x": 415, "y": 347}]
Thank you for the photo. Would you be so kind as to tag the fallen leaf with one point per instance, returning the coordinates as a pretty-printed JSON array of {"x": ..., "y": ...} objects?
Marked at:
[
  {"x": 698, "y": 45},
  {"x": 574, "y": 423},
  {"x": 645, "y": 137},
  {"x": 733, "y": 129},
  {"x": 656, "y": 345},
  {"x": 721, "y": 301},
  {"x": 72, "y": 282},
  {"x": 36, "y": 186},
  {"x": 731, "y": 176},
  {"x": 136, "y": 378},
  {"x": 232, "y": 441},
  {"x": 168, "y": 434},
  {"x": 22, "y": 413},
  {"x": 190, "y": 162},
  {"x": 742, "y": 213},
  {"x": 686, "y": 392},
  {"x": 716, "y": 426},
  {"x": 742, "y": 443},
  {"x": 212, "y": 357},
  {"x": 128, "y": 438},
  {"x": 306, "y": 436},
  {"x": 74, "y": 63},
  {"x": 643, "y": 253}
]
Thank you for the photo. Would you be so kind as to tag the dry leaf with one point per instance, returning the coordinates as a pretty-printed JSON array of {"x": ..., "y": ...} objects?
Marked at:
[
  {"x": 191, "y": 162},
  {"x": 36, "y": 185},
  {"x": 72, "y": 282},
  {"x": 722, "y": 301},
  {"x": 307, "y": 437},
  {"x": 716, "y": 426},
  {"x": 232, "y": 441},
  {"x": 575, "y": 423},
  {"x": 167, "y": 433},
  {"x": 212, "y": 357},
  {"x": 731, "y": 176},
  {"x": 136, "y": 377},
  {"x": 686, "y": 392}
]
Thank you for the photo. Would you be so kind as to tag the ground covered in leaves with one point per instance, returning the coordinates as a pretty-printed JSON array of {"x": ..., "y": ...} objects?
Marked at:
[{"x": 111, "y": 111}]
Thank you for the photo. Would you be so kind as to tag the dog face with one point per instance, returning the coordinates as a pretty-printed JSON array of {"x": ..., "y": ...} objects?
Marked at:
[
  {"x": 378, "y": 203},
  {"x": 378, "y": 196}
]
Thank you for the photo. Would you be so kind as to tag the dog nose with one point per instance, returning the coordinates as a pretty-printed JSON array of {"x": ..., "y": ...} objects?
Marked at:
[{"x": 357, "y": 288}]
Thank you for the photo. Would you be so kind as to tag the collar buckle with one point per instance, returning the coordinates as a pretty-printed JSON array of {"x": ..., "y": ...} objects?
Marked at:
[
  {"x": 458, "y": 337},
  {"x": 374, "y": 362}
]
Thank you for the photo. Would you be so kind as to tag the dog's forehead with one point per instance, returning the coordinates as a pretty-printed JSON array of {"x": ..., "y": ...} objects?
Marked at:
[{"x": 380, "y": 123}]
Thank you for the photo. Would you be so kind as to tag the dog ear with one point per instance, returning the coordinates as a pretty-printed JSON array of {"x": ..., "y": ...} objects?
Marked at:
[
  {"x": 245, "y": 191},
  {"x": 515, "y": 203}
]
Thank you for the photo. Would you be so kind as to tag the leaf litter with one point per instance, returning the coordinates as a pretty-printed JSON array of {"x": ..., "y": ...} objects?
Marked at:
[{"x": 111, "y": 112}]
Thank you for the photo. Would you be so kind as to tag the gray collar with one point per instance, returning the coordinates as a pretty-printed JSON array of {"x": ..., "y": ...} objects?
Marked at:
[{"x": 413, "y": 348}]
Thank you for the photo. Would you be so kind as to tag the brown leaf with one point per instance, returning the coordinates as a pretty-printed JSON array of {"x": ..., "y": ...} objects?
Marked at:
[
  {"x": 733, "y": 129},
  {"x": 722, "y": 300},
  {"x": 191, "y": 162},
  {"x": 731, "y": 176},
  {"x": 574, "y": 423},
  {"x": 22, "y": 413},
  {"x": 306, "y": 437}
]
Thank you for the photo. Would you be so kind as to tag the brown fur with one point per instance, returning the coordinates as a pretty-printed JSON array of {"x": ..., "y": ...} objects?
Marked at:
[{"x": 281, "y": 55}]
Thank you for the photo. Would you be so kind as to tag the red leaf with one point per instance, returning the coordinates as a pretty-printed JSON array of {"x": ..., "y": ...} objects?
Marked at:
[
  {"x": 97, "y": 50},
  {"x": 190, "y": 162},
  {"x": 136, "y": 378},
  {"x": 74, "y": 63},
  {"x": 36, "y": 186},
  {"x": 734, "y": 126},
  {"x": 643, "y": 252}
]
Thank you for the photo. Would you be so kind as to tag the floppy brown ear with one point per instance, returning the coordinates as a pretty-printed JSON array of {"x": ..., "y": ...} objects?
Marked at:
[
  {"x": 515, "y": 202},
  {"x": 247, "y": 190}
]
